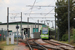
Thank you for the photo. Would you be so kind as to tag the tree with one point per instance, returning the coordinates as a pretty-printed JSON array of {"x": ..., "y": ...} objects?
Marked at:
[
  {"x": 0, "y": 22},
  {"x": 63, "y": 16}
]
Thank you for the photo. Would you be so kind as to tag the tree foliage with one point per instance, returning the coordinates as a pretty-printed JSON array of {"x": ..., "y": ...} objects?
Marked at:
[
  {"x": 0, "y": 22},
  {"x": 62, "y": 16}
]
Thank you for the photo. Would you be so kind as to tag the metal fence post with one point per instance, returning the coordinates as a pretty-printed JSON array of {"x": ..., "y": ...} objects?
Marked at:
[{"x": 2, "y": 34}]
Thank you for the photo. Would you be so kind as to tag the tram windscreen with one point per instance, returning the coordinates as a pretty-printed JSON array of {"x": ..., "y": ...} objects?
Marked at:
[{"x": 44, "y": 30}]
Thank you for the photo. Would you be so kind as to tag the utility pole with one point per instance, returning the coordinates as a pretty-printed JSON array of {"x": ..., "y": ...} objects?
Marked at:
[
  {"x": 7, "y": 25},
  {"x": 58, "y": 19},
  {"x": 68, "y": 20},
  {"x": 21, "y": 27}
]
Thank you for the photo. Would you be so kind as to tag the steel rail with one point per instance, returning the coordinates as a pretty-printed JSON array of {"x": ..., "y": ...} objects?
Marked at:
[
  {"x": 29, "y": 45},
  {"x": 54, "y": 43},
  {"x": 40, "y": 45},
  {"x": 63, "y": 44},
  {"x": 35, "y": 46}
]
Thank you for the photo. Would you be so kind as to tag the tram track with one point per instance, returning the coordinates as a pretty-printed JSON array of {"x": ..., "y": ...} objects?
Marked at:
[
  {"x": 40, "y": 44},
  {"x": 32, "y": 44},
  {"x": 61, "y": 45}
]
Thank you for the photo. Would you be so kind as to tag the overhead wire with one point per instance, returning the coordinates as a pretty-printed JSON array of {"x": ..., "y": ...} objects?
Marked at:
[
  {"x": 50, "y": 11},
  {"x": 32, "y": 7}
]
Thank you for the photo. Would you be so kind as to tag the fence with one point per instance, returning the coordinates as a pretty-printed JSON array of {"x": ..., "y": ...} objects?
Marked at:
[{"x": 3, "y": 34}]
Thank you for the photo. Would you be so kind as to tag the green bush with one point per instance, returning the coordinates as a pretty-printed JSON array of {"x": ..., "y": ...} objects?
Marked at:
[
  {"x": 74, "y": 37},
  {"x": 1, "y": 49},
  {"x": 71, "y": 42},
  {"x": 65, "y": 37}
]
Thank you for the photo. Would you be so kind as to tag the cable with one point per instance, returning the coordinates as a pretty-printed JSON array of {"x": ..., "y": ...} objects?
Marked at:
[
  {"x": 50, "y": 11},
  {"x": 32, "y": 7},
  {"x": 33, "y": 19}
]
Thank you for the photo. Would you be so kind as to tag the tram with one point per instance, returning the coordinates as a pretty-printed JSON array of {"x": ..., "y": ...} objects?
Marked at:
[{"x": 45, "y": 33}]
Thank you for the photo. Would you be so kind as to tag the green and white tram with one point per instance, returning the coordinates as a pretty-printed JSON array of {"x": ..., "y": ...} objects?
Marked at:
[{"x": 45, "y": 33}]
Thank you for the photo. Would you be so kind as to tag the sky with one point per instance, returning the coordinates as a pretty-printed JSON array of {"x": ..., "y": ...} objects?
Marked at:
[{"x": 18, "y": 6}]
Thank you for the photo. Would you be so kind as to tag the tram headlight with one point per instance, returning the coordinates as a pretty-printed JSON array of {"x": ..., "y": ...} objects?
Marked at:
[
  {"x": 42, "y": 36},
  {"x": 46, "y": 35}
]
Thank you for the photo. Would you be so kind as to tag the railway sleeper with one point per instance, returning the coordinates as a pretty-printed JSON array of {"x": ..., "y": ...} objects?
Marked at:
[
  {"x": 36, "y": 46},
  {"x": 61, "y": 46},
  {"x": 62, "y": 43}
]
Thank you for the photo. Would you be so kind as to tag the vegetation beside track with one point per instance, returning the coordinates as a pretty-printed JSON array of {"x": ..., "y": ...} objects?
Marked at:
[
  {"x": 4, "y": 46},
  {"x": 62, "y": 16}
]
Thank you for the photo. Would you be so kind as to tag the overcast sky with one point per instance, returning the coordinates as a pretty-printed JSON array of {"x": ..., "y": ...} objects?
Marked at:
[{"x": 18, "y": 6}]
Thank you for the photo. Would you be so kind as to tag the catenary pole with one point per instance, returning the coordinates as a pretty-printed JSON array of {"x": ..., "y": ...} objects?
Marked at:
[
  {"x": 68, "y": 20},
  {"x": 7, "y": 25},
  {"x": 58, "y": 19},
  {"x": 28, "y": 22},
  {"x": 55, "y": 24},
  {"x": 28, "y": 25},
  {"x": 35, "y": 26},
  {"x": 21, "y": 27},
  {"x": 38, "y": 25}
]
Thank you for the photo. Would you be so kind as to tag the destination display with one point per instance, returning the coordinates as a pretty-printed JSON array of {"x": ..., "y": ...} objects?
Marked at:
[{"x": 45, "y": 30}]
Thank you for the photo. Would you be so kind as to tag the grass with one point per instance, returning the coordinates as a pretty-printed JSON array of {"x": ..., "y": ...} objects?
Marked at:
[
  {"x": 71, "y": 42},
  {"x": 4, "y": 46}
]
